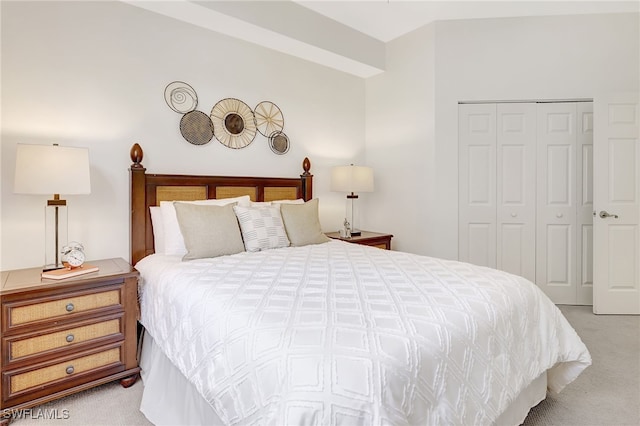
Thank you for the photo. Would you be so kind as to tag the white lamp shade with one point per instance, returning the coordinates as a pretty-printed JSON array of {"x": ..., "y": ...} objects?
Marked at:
[
  {"x": 352, "y": 179},
  {"x": 52, "y": 169}
]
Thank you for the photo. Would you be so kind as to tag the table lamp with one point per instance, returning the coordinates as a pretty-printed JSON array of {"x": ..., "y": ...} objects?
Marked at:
[
  {"x": 352, "y": 180},
  {"x": 52, "y": 169}
]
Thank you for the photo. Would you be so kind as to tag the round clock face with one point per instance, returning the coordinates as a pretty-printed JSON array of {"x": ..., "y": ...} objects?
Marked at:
[{"x": 75, "y": 258}]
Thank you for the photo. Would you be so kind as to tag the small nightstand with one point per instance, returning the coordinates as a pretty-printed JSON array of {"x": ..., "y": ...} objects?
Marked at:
[
  {"x": 373, "y": 239},
  {"x": 60, "y": 337}
]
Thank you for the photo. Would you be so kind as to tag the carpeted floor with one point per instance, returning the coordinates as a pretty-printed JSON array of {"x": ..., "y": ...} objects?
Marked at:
[{"x": 606, "y": 394}]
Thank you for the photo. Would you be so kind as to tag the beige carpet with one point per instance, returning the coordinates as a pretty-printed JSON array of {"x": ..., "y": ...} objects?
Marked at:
[{"x": 606, "y": 394}]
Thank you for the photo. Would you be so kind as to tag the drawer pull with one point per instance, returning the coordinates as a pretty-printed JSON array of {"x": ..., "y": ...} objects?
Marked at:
[
  {"x": 70, "y": 338},
  {"x": 70, "y": 307},
  {"x": 70, "y": 369}
]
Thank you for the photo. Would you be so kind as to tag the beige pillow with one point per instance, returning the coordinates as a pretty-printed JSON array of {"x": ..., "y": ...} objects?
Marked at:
[
  {"x": 173, "y": 239},
  {"x": 208, "y": 230},
  {"x": 302, "y": 223}
]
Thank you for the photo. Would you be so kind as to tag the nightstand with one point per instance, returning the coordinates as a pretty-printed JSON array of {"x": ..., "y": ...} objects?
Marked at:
[
  {"x": 60, "y": 337},
  {"x": 373, "y": 239}
]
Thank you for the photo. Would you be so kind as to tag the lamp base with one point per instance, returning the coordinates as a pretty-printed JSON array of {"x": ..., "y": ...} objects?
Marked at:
[
  {"x": 356, "y": 232},
  {"x": 55, "y": 232}
]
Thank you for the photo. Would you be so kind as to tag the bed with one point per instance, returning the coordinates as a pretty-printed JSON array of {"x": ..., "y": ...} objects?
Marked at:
[{"x": 310, "y": 331}]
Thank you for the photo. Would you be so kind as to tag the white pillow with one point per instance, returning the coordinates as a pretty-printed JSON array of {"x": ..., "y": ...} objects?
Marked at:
[
  {"x": 173, "y": 239},
  {"x": 262, "y": 227},
  {"x": 269, "y": 203},
  {"x": 298, "y": 201},
  {"x": 158, "y": 229}
]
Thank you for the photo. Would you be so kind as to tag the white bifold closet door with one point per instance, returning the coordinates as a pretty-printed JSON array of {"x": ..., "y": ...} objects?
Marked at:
[
  {"x": 477, "y": 184},
  {"x": 497, "y": 186},
  {"x": 565, "y": 202},
  {"x": 525, "y": 193},
  {"x": 516, "y": 189}
]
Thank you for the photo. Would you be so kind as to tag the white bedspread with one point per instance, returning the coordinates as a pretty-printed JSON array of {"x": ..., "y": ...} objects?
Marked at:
[{"x": 340, "y": 333}]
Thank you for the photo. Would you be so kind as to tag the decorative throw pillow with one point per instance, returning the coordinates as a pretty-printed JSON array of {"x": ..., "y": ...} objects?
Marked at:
[
  {"x": 302, "y": 223},
  {"x": 208, "y": 231},
  {"x": 173, "y": 240},
  {"x": 262, "y": 227}
]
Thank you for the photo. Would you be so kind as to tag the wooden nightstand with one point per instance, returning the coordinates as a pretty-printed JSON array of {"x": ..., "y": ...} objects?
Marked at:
[
  {"x": 63, "y": 336},
  {"x": 366, "y": 238}
]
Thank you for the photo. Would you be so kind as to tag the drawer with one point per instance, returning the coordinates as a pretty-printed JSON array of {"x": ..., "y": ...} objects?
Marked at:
[
  {"x": 71, "y": 370},
  {"x": 25, "y": 313},
  {"x": 22, "y": 347},
  {"x": 381, "y": 245}
]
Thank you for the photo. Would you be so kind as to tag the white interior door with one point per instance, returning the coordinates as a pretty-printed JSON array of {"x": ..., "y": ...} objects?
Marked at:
[
  {"x": 526, "y": 193},
  {"x": 616, "y": 200},
  {"x": 584, "y": 204},
  {"x": 556, "y": 220},
  {"x": 477, "y": 184},
  {"x": 516, "y": 189}
]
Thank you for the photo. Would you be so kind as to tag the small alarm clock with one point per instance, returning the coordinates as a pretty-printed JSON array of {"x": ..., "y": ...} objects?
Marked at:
[{"x": 73, "y": 255}]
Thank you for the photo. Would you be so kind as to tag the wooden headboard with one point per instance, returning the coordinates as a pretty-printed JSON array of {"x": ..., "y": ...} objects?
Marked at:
[{"x": 149, "y": 189}]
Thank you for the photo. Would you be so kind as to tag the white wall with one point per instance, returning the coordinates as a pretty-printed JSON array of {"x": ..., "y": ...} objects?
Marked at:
[
  {"x": 400, "y": 143},
  {"x": 93, "y": 74},
  {"x": 562, "y": 57}
]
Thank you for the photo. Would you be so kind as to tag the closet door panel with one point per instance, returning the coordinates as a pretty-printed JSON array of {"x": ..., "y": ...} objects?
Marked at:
[
  {"x": 477, "y": 184},
  {"x": 558, "y": 259},
  {"x": 584, "y": 204},
  {"x": 516, "y": 188},
  {"x": 556, "y": 206}
]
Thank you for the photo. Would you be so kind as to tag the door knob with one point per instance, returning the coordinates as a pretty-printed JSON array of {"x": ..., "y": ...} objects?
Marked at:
[{"x": 604, "y": 215}]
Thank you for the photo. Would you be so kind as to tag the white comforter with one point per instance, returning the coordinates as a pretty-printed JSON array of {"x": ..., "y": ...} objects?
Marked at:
[{"x": 342, "y": 333}]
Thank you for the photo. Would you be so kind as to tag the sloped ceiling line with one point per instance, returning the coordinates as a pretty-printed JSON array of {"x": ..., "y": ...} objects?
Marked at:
[{"x": 350, "y": 36}]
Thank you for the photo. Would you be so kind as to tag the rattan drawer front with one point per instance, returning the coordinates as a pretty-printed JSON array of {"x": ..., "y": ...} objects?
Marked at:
[
  {"x": 60, "y": 339},
  {"x": 42, "y": 376},
  {"x": 30, "y": 313}
]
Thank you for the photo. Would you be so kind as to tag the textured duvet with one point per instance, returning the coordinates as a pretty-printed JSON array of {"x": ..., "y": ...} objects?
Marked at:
[{"x": 340, "y": 333}]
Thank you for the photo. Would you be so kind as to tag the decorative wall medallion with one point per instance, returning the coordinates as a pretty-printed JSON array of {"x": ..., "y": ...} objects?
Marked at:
[
  {"x": 180, "y": 97},
  {"x": 269, "y": 118},
  {"x": 233, "y": 123},
  {"x": 196, "y": 127},
  {"x": 279, "y": 142}
]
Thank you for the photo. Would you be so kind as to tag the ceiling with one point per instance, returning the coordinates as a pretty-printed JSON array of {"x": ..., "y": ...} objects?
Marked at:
[
  {"x": 350, "y": 35},
  {"x": 389, "y": 19}
]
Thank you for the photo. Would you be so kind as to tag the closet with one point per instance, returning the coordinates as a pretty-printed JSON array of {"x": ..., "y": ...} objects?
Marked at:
[{"x": 526, "y": 193}]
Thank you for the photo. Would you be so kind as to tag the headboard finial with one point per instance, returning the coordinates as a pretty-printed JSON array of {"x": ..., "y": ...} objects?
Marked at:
[
  {"x": 136, "y": 155},
  {"x": 306, "y": 166}
]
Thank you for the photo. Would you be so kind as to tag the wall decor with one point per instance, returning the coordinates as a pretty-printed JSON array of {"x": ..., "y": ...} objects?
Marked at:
[
  {"x": 180, "y": 97},
  {"x": 231, "y": 121},
  {"x": 269, "y": 118},
  {"x": 234, "y": 124},
  {"x": 279, "y": 142},
  {"x": 195, "y": 126}
]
